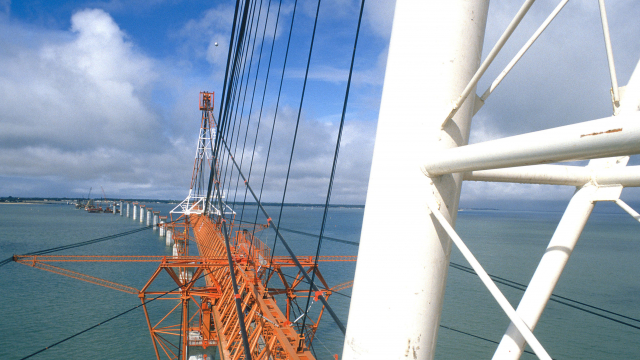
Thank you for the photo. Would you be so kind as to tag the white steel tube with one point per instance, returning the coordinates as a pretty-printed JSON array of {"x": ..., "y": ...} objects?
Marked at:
[
  {"x": 626, "y": 176},
  {"x": 121, "y": 208},
  {"x": 548, "y": 272},
  {"x": 523, "y": 50},
  {"x": 559, "y": 175},
  {"x": 128, "y": 209},
  {"x": 612, "y": 136},
  {"x": 135, "y": 212},
  {"x": 491, "y": 286},
  {"x": 141, "y": 213},
  {"x": 630, "y": 101},
  {"x": 534, "y": 174},
  {"x": 421, "y": 81},
  {"x": 607, "y": 44},
  {"x": 471, "y": 86},
  {"x": 628, "y": 209}
]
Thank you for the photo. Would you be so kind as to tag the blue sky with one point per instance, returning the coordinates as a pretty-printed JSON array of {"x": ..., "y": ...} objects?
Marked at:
[{"x": 104, "y": 93}]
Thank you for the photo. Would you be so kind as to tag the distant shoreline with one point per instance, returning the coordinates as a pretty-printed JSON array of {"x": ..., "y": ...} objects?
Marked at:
[{"x": 53, "y": 201}]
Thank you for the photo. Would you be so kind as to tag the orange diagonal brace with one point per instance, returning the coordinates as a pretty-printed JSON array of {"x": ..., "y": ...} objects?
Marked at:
[
  {"x": 342, "y": 286},
  {"x": 77, "y": 275}
]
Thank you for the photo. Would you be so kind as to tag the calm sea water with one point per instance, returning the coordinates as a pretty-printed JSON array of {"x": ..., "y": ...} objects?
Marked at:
[{"x": 40, "y": 308}]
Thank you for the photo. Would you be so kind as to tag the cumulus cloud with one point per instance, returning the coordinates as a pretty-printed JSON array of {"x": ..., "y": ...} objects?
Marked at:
[
  {"x": 77, "y": 105},
  {"x": 78, "y": 94},
  {"x": 88, "y": 105}
]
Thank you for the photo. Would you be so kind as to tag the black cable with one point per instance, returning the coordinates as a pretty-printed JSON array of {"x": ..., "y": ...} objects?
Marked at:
[
  {"x": 255, "y": 141},
  {"x": 275, "y": 115},
  {"x": 237, "y": 296},
  {"x": 6, "y": 261},
  {"x": 513, "y": 284},
  {"x": 556, "y": 298},
  {"x": 82, "y": 243},
  {"x": 478, "y": 337},
  {"x": 238, "y": 91},
  {"x": 193, "y": 280},
  {"x": 335, "y": 156},
  {"x": 223, "y": 101},
  {"x": 255, "y": 86},
  {"x": 246, "y": 88},
  {"x": 323, "y": 237},
  {"x": 98, "y": 324},
  {"x": 295, "y": 132},
  {"x": 292, "y": 255}
]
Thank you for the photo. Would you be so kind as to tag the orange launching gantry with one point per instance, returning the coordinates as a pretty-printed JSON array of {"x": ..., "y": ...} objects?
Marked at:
[{"x": 204, "y": 284}]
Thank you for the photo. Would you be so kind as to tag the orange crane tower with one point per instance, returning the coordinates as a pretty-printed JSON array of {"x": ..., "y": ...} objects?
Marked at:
[{"x": 204, "y": 293}]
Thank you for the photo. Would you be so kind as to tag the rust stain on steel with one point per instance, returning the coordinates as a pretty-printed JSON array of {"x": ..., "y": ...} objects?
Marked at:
[{"x": 602, "y": 132}]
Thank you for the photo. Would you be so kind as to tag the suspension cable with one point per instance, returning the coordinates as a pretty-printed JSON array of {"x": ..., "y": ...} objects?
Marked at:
[
  {"x": 275, "y": 115},
  {"x": 246, "y": 88},
  {"x": 223, "y": 105},
  {"x": 295, "y": 133},
  {"x": 335, "y": 160},
  {"x": 255, "y": 141},
  {"x": 292, "y": 255},
  {"x": 238, "y": 109},
  {"x": 108, "y": 320},
  {"x": 81, "y": 243},
  {"x": 255, "y": 86}
]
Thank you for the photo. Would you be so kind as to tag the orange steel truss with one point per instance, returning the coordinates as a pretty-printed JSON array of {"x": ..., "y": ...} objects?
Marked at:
[{"x": 207, "y": 312}]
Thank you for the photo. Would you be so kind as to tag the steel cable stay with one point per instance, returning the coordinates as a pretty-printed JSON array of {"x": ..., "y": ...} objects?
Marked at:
[
  {"x": 478, "y": 337},
  {"x": 239, "y": 88},
  {"x": 335, "y": 156},
  {"x": 510, "y": 283},
  {"x": 234, "y": 94},
  {"x": 246, "y": 88},
  {"x": 144, "y": 303},
  {"x": 275, "y": 115},
  {"x": 82, "y": 243},
  {"x": 224, "y": 102},
  {"x": 214, "y": 178},
  {"x": 253, "y": 94},
  {"x": 286, "y": 245},
  {"x": 232, "y": 275},
  {"x": 556, "y": 298},
  {"x": 524, "y": 330},
  {"x": 238, "y": 84},
  {"x": 264, "y": 91},
  {"x": 295, "y": 133},
  {"x": 286, "y": 275}
]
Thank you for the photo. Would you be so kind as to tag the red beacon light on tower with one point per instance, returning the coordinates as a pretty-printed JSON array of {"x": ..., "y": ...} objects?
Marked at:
[{"x": 206, "y": 101}]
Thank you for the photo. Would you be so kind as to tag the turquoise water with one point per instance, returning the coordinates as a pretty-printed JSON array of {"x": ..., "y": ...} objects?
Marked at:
[{"x": 40, "y": 308}]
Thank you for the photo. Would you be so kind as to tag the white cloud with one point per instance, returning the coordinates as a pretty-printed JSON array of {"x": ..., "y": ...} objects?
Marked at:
[
  {"x": 379, "y": 16},
  {"x": 87, "y": 105},
  {"x": 77, "y": 94},
  {"x": 78, "y": 105}
]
